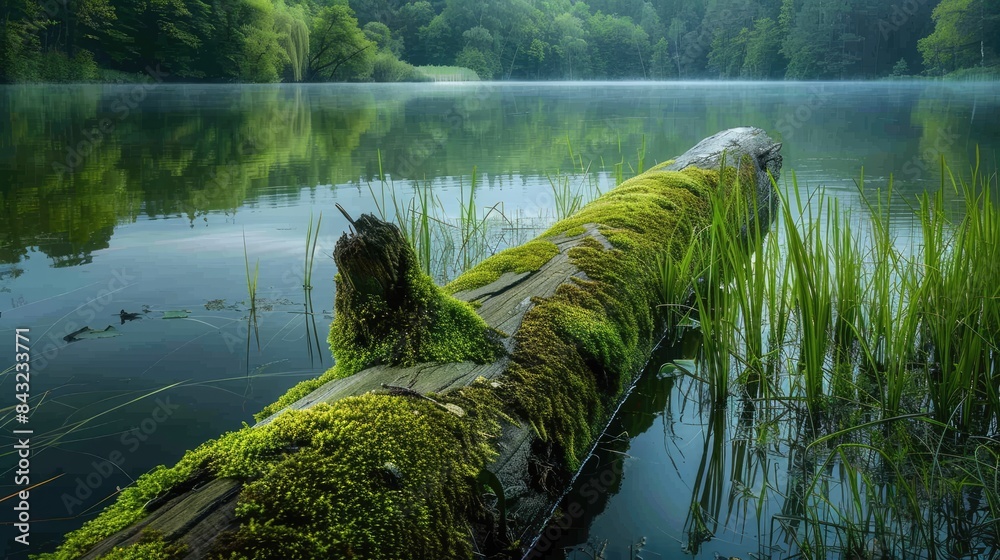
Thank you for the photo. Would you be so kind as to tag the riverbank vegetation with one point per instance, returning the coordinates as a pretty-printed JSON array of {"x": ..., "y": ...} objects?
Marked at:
[
  {"x": 388, "y": 40},
  {"x": 865, "y": 358}
]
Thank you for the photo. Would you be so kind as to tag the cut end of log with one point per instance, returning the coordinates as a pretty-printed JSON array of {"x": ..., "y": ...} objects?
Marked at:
[{"x": 389, "y": 312}]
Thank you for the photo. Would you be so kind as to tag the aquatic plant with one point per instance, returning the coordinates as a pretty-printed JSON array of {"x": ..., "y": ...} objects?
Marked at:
[
  {"x": 311, "y": 239},
  {"x": 251, "y": 290},
  {"x": 567, "y": 202},
  {"x": 878, "y": 366},
  {"x": 445, "y": 246}
]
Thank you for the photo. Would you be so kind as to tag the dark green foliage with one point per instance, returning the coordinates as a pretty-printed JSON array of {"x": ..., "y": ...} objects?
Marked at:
[
  {"x": 383, "y": 38},
  {"x": 966, "y": 34},
  {"x": 620, "y": 49},
  {"x": 338, "y": 48},
  {"x": 305, "y": 40},
  {"x": 901, "y": 68}
]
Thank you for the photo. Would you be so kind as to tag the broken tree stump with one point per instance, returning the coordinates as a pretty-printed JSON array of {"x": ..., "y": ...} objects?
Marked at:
[{"x": 498, "y": 383}]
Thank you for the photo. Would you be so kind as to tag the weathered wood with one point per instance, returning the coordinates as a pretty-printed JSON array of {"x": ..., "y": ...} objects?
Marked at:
[{"x": 373, "y": 266}]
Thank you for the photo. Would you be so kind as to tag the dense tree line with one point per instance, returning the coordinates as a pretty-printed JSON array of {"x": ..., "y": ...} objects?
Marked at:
[
  {"x": 330, "y": 40},
  {"x": 192, "y": 40}
]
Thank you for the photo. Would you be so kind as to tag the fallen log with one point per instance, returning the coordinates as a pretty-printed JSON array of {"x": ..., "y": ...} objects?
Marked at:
[{"x": 454, "y": 417}]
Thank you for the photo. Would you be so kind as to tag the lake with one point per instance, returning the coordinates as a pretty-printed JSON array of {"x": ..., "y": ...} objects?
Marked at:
[{"x": 155, "y": 199}]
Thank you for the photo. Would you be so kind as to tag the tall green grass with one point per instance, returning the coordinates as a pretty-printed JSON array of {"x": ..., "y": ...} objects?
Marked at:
[
  {"x": 445, "y": 245},
  {"x": 251, "y": 291},
  {"x": 873, "y": 349},
  {"x": 567, "y": 201},
  {"x": 312, "y": 237}
]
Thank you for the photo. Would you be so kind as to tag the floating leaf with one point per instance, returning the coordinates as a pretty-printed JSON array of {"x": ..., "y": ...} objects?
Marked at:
[
  {"x": 87, "y": 333},
  {"x": 688, "y": 367},
  {"x": 176, "y": 314},
  {"x": 667, "y": 370}
]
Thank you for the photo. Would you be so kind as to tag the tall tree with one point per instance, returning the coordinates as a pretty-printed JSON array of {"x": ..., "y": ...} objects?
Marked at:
[
  {"x": 571, "y": 46},
  {"x": 729, "y": 53},
  {"x": 677, "y": 33},
  {"x": 338, "y": 48},
  {"x": 661, "y": 66},
  {"x": 820, "y": 42},
  {"x": 763, "y": 59},
  {"x": 966, "y": 32},
  {"x": 412, "y": 17},
  {"x": 170, "y": 33},
  {"x": 293, "y": 36},
  {"x": 261, "y": 57},
  {"x": 20, "y": 22},
  {"x": 619, "y": 48}
]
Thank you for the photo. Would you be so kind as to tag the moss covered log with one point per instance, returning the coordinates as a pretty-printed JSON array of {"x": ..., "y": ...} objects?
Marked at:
[{"x": 442, "y": 399}]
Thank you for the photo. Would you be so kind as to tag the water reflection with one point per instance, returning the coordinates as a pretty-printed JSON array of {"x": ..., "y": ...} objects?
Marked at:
[
  {"x": 747, "y": 481},
  {"x": 78, "y": 161}
]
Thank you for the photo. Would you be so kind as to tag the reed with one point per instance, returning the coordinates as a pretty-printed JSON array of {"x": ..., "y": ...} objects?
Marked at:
[
  {"x": 641, "y": 156},
  {"x": 959, "y": 300},
  {"x": 469, "y": 225},
  {"x": 675, "y": 284},
  {"x": 419, "y": 223},
  {"x": 891, "y": 348},
  {"x": 251, "y": 291},
  {"x": 567, "y": 201},
  {"x": 576, "y": 160},
  {"x": 813, "y": 296},
  {"x": 312, "y": 237}
]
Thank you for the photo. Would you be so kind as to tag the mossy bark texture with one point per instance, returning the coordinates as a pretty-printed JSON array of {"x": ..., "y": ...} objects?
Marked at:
[{"x": 514, "y": 368}]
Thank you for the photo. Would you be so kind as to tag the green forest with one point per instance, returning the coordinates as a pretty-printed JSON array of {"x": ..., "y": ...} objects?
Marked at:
[{"x": 390, "y": 40}]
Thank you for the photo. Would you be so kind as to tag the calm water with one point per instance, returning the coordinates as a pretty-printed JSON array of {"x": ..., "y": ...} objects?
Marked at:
[{"x": 139, "y": 198}]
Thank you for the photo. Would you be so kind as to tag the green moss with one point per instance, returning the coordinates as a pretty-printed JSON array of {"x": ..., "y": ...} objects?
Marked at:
[
  {"x": 577, "y": 350},
  {"x": 129, "y": 507},
  {"x": 438, "y": 328},
  {"x": 150, "y": 546},
  {"x": 374, "y": 476},
  {"x": 379, "y": 477},
  {"x": 524, "y": 258}
]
